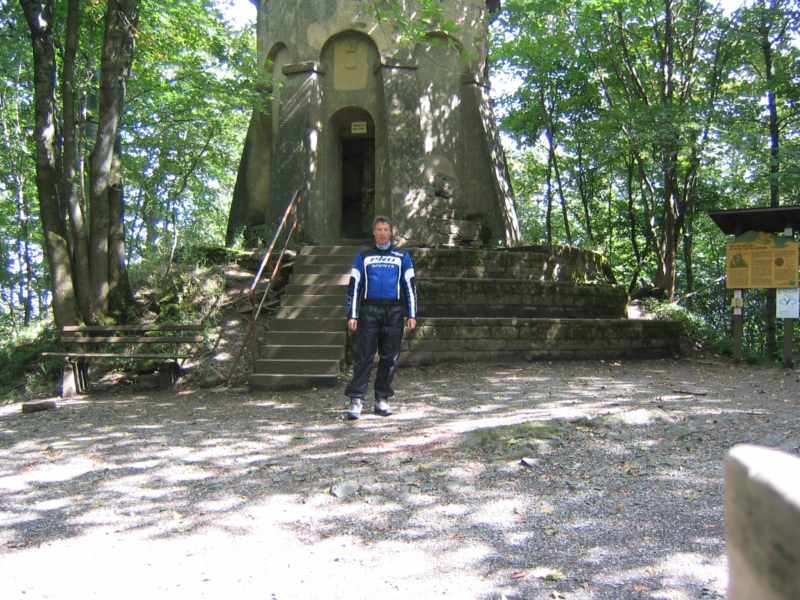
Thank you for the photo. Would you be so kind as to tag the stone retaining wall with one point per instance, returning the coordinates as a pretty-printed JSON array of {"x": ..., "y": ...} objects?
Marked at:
[
  {"x": 465, "y": 297},
  {"x": 531, "y": 263},
  {"x": 455, "y": 339}
]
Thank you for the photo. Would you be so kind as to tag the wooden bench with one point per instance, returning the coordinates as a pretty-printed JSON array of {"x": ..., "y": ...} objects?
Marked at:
[{"x": 116, "y": 342}]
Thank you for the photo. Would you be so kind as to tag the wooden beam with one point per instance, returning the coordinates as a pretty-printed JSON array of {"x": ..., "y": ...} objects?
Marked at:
[{"x": 99, "y": 339}]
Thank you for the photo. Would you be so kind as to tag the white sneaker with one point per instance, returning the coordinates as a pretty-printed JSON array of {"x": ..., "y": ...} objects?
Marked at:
[
  {"x": 355, "y": 409},
  {"x": 382, "y": 407}
]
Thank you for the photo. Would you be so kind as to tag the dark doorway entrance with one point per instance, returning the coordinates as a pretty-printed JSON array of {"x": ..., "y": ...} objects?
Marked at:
[
  {"x": 358, "y": 189},
  {"x": 353, "y": 177}
]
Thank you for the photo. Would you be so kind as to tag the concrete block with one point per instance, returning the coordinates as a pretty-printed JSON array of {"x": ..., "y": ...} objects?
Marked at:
[{"x": 762, "y": 519}]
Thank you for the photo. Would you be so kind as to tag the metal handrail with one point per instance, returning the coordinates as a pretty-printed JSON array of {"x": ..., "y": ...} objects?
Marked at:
[
  {"x": 296, "y": 199},
  {"x": 291, "y": 210}
]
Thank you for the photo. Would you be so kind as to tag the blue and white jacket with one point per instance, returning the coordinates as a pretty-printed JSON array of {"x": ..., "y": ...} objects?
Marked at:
[{"x": 383, "y": 277}]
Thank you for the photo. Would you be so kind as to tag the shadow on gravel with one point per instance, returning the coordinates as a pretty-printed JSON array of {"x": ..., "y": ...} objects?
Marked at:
[{"x": 618, "y": 495}]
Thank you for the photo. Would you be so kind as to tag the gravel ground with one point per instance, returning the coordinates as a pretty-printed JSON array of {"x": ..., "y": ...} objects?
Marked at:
[{"x": 585, "y": 480}]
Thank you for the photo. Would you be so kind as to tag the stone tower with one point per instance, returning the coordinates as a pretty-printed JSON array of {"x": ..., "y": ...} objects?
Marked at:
[{"x": 366, "y": 124}]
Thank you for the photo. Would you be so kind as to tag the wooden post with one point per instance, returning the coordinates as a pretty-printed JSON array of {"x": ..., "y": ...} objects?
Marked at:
[
  {"x": 70, "y": 379},
  {"x": 788, "y": 325},
  {"x": 168, "y": 373},
  {"x": 738, "y": 322},
  {"x": 788, "y": 329}
]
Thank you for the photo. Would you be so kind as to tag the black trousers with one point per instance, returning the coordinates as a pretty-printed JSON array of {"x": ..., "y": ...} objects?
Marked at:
[{"x": 380, "y": 328}]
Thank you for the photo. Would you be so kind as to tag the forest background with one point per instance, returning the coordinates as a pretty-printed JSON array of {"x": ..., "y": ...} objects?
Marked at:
[{"x": 122, "y": 125}]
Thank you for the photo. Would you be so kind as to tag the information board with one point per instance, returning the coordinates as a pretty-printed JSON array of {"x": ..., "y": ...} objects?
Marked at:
[
  {"x": 788, "y": 304},
  {"x": 761, "y": 260}
]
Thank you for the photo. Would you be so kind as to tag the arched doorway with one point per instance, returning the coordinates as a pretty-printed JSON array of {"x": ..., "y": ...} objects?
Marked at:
[{"x": 355, "y": 171}]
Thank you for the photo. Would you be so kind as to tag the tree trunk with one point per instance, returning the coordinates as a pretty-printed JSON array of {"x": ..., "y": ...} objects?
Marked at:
[
  {"x": 586, "y": 193},
  {"x": 11, "y": 123},
  {"x": 688, "y": 246},
  {"x": 117, "y": 55},
  {"x": 39, "y": 16},
  {"x": 25, "y": 265},
  {"x": 774, "y": 168},
  {"x": 552, "y": 163},
  {"x": 665, "y": 275},
  {"x": 561, "y": 193},
  {"x": 120, "y": 295},
  {"x": 70, "y": 184},
  {"x": 548, "y": 221},
  {"x": 632, "y": 231}
]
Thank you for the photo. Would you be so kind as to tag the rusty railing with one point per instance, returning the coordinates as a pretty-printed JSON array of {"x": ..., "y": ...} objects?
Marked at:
[{"x": 291, "y": 213}]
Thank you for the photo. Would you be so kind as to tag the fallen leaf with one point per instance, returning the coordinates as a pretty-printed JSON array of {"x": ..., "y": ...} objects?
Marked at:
[{"x": 548, "y": 574}]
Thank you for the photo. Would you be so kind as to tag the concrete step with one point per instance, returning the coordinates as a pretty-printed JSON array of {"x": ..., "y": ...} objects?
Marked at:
[
  {"x": 321, "y": 269},
  {"x": 293, "y": 366},
  {"x": 306, "y": 338},
  {"x": 337, "y": 250},
  {"x": 328, "y": 324},
  {"x": 460, "y": 339},
  {"x": 320, "y": 279},
  {"x": 311, "y": 352},
  {"x": 312, "y": 312},
  {"x": 343, "y": 260},
  {"x": 528, "y": 311},
  {"x": 308, "y": 299},
  {"x": 276, "y": 381},
  {"x": 553, "y": 264},
  {"x": 317, "y": 289}
]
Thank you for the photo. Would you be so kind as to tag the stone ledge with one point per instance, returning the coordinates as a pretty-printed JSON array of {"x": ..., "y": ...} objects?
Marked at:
[
  {"x": 414, "y": 357},
  {"x": 530, "y": 310},
  {"x": 762, "y": 519},
  {"x": 303, "y": 67},
  {"x": 532, "y": 263},
  {"x": 441, "y": 339}
]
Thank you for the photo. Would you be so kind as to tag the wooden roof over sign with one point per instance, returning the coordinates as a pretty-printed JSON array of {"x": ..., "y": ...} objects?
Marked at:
[{"x": 773, "y": 220}]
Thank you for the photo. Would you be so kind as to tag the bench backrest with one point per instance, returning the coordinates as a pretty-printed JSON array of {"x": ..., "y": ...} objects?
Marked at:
[{"x": 126, "y": 334}]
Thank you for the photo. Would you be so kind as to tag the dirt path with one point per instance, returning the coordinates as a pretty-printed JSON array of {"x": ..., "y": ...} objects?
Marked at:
[{"x": 227, "y": 494}]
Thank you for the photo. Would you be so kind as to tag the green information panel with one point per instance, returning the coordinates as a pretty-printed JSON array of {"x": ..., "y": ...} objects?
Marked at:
[{"x": 761, "y": 260}]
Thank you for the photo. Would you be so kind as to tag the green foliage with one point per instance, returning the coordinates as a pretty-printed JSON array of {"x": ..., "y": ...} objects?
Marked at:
[
  {"x": 591, "y": 84},
  {"x": 22, "y": 370},
  {"x": 413, "y": 26},
  {"x": 190, "y": 98},
  {"x": 695, "y": 329},
  {"x": 20, "y": 235},
  {"x": 188, "y": 290},
  {"x": 187, "y": 106}
]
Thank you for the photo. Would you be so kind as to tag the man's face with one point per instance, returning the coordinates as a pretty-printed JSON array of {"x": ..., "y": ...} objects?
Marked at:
[{"x": 382, "y": 232}]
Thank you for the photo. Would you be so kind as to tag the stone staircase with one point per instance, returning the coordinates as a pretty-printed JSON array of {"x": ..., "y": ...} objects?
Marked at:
[
  {"x": 520, "y": 304},
  {"x": 533, "y": 303},
  {"x": 305, "y": 344}
]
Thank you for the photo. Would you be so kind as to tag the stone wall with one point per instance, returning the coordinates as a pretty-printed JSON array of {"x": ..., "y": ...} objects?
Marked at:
[
  {"x": 508, "y": 339},
  {"x": 533, "y": 303},
  {"x": 460, "y": 297},
  {"x": 531, "y": 263},
  {"x": 433, "y": 161}
]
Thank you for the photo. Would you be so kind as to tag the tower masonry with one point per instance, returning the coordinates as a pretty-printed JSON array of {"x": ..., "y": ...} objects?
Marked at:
[{"x": 367, "y": 123}]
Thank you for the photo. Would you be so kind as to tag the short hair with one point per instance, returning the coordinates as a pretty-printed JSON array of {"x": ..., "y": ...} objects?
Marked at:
[{"x": 382, "y": 219}]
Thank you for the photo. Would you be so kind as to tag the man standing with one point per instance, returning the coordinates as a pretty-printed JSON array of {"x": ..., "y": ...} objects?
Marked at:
[{"x": 381, "y": 294}]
